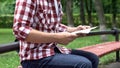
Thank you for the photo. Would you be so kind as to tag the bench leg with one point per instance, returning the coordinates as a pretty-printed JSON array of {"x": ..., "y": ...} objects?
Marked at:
[{"x": 117, "y": 56}]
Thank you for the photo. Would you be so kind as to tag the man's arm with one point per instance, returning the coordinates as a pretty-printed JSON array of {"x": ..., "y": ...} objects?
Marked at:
[
  {"x": 41, "y": 37},
  {"x": 23, "y": 18}
]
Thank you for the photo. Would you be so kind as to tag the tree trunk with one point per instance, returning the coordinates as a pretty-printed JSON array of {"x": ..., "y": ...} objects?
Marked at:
[
  {"x": 69, "y": 13},
  {"x": 82, "y": 13},
  {"x": 88, "y": 4},
  {"x": 100, "y": 13},
  {"x": 114, "y": 11}
]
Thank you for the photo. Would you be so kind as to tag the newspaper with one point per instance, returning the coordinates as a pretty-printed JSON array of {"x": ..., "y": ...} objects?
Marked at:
[{"x": 85, "y": 31}]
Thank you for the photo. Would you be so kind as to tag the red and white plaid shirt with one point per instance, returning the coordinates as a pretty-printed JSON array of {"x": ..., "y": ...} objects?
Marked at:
[{"x": 40, "y": 15}]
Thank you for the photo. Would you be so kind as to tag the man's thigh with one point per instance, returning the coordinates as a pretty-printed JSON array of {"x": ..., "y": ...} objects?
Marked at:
[
  {"x": 40, "y": 63},
  {"x": 66, "y": 61}
]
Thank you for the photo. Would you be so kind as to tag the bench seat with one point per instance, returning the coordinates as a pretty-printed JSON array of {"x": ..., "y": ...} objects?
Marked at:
[{"x": 102, "y": 48}]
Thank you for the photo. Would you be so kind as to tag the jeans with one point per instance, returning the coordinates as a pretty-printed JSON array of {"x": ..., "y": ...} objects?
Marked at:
[{"x": 77, "y": 59}]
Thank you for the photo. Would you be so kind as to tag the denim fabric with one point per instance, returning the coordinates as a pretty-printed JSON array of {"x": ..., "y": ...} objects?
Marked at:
[
  {"x": 77, "y": 59},
  {"x": 92, "y": 57}
]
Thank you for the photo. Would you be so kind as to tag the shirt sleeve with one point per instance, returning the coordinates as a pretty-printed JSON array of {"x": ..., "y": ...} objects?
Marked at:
[
  {"x": 62, "y": 28},
  {"x": 23, "y": 18}
]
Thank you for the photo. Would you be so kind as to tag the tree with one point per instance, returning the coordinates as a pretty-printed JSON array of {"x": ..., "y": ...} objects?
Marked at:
[
  {"x": 63, "y": 2},
  {"x": 100, "y": 13},
  {"x": 114, "y": 12},
  {"x": 69, "y": 12},
  {"x": 88, "y": 5},
  {"x": 82, "y": 12}
]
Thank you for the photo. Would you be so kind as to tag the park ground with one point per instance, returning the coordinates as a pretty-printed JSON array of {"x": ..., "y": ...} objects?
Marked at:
[{"x": 111, "y": 65}]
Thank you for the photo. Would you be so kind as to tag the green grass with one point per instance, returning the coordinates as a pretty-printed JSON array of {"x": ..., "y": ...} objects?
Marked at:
[
  {"x": 6, "y": 36},
  {"x": 11, "y": 59}
]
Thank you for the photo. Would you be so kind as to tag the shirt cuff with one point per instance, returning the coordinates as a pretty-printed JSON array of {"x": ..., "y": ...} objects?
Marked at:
[{"x": 62, "y": 28}]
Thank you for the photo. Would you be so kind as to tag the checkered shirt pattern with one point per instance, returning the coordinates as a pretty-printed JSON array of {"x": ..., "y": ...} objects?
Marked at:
[{"x": 40, "y": 15}]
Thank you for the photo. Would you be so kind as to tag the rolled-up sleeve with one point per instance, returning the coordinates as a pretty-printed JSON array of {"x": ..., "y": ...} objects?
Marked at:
[
  {"x": 62, "y": 28},
  {"x": 23, "y": 18}
]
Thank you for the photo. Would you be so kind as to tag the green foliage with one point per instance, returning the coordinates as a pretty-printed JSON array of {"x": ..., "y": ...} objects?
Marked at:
[
  {"x": 107, "y": 6},
  {"x": 6, "y": 21},
  {"x": 7, "y": 7},
  {"x": 95, "y": 21}
]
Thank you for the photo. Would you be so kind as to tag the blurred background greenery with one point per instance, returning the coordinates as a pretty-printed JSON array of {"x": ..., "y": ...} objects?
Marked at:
[{"x": 111, "y": 10}]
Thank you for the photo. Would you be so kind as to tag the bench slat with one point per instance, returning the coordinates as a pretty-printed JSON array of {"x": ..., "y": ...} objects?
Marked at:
[{"x": 103, "y": 48}]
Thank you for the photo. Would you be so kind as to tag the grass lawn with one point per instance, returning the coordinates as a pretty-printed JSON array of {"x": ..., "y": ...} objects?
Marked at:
[
  {"x": 6, "y": 36},
  {"x": 11, "y": 59}
]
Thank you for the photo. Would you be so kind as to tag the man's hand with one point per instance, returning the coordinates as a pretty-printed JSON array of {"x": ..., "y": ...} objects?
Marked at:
[
  {"x": 65, "y": 38},
  {"x": 80, "y": 27}
]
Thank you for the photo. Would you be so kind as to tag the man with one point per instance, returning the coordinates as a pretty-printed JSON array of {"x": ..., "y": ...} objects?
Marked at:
[{"x": 37, "y": 26}]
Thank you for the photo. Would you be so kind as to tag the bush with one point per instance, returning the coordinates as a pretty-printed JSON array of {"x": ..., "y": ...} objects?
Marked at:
[
  {"x": 7, "y": 7},
  {"x": 95, "y": 21},
  {"x": 6, "y": 21}
]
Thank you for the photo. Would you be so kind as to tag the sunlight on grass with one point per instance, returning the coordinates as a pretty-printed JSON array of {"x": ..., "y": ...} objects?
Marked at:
[
  {"x": 9, "y": 60},
  {"x": 6, "y": 36},
  {"x": 108, "y": 58}
]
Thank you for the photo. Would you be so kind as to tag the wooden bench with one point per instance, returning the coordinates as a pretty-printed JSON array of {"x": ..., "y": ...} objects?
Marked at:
[
  {"x": 98, "y": 49},
  {"x": 102, "y": 48}
]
